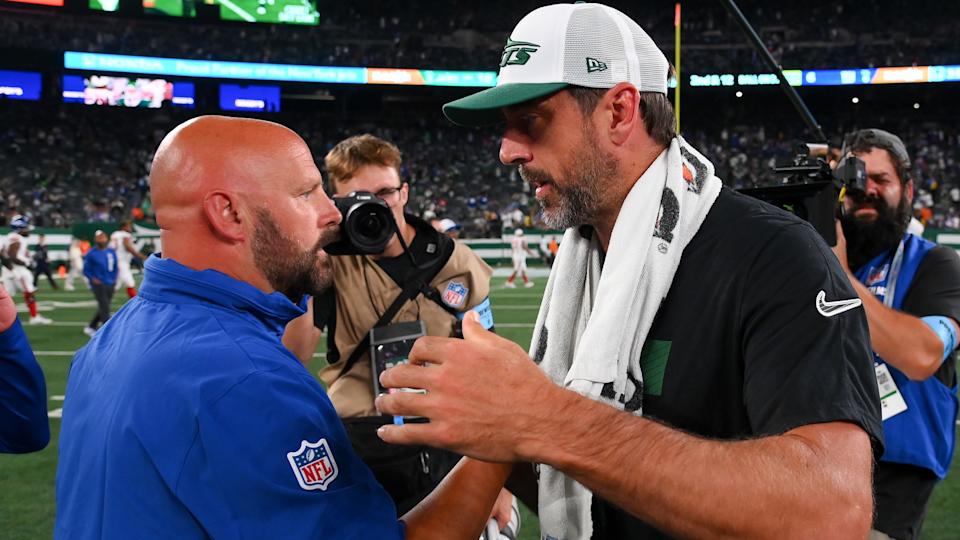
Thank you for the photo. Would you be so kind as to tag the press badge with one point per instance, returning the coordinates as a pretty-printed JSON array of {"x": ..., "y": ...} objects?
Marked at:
[{"x": 891, "y": 400}]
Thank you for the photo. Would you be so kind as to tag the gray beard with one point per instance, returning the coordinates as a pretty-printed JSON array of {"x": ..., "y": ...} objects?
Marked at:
[
  {"x": 574, "y": 208},
  {"x": 580, "y": 201}
]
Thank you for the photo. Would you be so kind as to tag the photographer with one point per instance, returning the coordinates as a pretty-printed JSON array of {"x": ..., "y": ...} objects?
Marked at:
[
  {"x": 910, "y": 289},
  {"x": 453, "y": 281}
]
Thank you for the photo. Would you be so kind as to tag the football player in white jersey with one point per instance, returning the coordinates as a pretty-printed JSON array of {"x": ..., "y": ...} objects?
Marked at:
[
  {"x": 21, "y": 278},
  {"x": 76, "y": 265},
  {"x": 519, "y": 251},
  {"x": 122, "y": 242}
]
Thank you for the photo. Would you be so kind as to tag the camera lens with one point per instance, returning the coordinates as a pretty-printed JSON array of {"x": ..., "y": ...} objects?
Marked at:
[
  {"x": 366, "y": 227},
  {"x": 371, "y": 226}
]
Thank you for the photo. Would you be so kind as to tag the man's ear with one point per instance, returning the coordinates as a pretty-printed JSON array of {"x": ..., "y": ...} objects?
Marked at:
[
  {"x": 221, "y": 210},
  {"x": 908, "y": 190},
  {"x": 623, "y": 105}
]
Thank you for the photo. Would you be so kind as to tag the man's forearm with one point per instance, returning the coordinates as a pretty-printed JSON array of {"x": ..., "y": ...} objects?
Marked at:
[
  {"x": 899, "y": 338},
  {"x": 776, "y": 487},
  {"x": 460, "y": 506}
]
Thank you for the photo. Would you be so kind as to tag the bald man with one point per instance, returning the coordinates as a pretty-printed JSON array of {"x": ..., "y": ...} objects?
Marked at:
[{"x": 185, "y": 416}]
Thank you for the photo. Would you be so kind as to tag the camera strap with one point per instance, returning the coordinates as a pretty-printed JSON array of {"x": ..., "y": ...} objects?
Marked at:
[{"x": 413, "y": 286}]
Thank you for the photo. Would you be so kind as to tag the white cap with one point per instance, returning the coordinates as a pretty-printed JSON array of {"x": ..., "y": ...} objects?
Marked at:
[
  {"x": 518, "y": 232},
  {"x": 580, "y": 44},
  {"x": 447, "y": 225}
]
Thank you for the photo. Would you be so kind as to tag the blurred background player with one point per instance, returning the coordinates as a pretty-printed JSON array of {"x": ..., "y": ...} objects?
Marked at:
[
  {"x": 450, "y": 227},
  {"x": 76, "y": 264},
  {"x": 20, "y": 278},
  {"x": 121, "y": 241},
  {"x": 41, "y": 261},
  {"x": 100, "y": 267},
  {"x": 519, "y": 251}
]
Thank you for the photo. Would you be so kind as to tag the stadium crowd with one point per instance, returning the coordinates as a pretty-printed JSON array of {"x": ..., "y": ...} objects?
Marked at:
[
  {"x": 421, "y": 34},
  {"x": 66, "y": 164},
  {"x": 74, "y": 163}
]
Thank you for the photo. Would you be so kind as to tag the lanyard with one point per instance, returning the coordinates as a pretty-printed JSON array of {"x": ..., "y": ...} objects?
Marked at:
[{"x": 893, "y": 275}]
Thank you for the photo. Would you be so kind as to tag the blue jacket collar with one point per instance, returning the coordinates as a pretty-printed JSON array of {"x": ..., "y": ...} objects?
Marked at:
[{"x": 166, "y": 280}]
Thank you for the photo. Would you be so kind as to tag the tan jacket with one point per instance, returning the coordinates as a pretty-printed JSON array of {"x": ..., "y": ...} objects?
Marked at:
[{"x": 364, "y": 291}]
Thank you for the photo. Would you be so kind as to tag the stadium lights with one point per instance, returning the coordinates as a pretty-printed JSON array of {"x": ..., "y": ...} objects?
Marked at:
[
  {"x": 739, "y": 94},
  {"x": 855, "y": 100},
  {"x": 916, "y": 105}
]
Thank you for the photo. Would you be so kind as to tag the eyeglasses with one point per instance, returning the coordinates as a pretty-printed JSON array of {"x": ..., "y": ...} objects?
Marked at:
[{"x": 386, "y": 194}]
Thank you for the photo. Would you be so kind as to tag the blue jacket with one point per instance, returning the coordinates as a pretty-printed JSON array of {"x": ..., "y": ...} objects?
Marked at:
[
  {"x": 23, "y": 395},
  {"x": 923, "y": 435},
  {"x": 101, "y": 264},
  {"x": 186, "y": 417}
]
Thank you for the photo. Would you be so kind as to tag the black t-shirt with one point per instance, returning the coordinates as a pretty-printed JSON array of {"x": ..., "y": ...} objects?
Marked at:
[
  {"x": 935, "y": 290},
  {"x": 739, "y": 348}
]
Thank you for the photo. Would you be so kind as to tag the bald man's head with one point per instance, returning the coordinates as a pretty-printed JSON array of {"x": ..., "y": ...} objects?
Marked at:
[
  {"x": 212, "y": 152},
  {"x": 218, "y": 183}
]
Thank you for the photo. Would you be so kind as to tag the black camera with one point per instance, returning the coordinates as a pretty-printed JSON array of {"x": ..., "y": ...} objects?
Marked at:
[
  {"x": 367, "y": 225},
  {"x": 811, "y": 190}
]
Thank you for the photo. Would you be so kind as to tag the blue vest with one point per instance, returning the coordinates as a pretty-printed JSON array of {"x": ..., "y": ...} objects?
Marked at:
[{"x": 923, "y": 435}]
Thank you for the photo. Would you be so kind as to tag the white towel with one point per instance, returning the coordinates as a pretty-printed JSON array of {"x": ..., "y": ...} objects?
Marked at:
[{"x": 592, "y": 326}]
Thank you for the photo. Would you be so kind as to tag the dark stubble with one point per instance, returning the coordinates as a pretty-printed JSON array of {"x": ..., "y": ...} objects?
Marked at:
[{"x": 289, "y": 269}]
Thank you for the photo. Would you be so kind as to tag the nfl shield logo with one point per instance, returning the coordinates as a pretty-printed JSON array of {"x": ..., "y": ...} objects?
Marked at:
[
  {"x": 313, "y": 465},
  {"x": 455, "y": 295},
  {"x": 876, "y": 275}
]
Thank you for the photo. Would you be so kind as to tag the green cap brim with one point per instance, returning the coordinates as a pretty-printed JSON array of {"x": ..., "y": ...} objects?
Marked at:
[{"x": 483, "y": 108}]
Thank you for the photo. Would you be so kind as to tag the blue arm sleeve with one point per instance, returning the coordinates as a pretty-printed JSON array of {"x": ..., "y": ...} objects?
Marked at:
[
  {"x": 482, "y": 309},
  {"x": 945, "y": 331},
  {"x": 24, "y": 426},
  {"x": 87, "y": 266},
  {"x": 272, "y": 459}
]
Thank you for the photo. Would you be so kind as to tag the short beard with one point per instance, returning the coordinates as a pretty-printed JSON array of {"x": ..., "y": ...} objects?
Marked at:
[
  {"x": 289, "y": 270},
  {"x": 580, "y": 198},
  {"x": 867, "y": 239}
]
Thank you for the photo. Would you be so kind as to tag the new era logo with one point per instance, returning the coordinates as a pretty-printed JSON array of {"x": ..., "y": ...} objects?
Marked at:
[{"x": 595, "y": 65}]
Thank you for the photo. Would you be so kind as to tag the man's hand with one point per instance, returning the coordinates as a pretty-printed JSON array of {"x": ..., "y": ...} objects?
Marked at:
[
  {"x": 485, "y": 397},
  {"x": 502, "y": 509},
  {"x": 95, "y": 281},
  {"x": 8, "y": 310},
  {"x": 840, "y": 250}
]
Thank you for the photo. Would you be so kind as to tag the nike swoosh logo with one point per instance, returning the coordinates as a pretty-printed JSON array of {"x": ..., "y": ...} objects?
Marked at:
[{"x": 835, "y": 307}]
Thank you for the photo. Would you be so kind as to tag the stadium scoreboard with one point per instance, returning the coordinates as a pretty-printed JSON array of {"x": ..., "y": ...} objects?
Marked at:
[{"x": 252, "y": 11}]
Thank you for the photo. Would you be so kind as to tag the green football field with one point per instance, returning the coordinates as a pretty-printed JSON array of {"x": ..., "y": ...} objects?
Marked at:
[{"x": 27, "y": 481}]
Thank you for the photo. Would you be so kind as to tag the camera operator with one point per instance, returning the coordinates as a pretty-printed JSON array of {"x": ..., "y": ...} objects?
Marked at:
[
  {"x": 454, "y": 281},
  {"x": 910, "y": 289}
]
